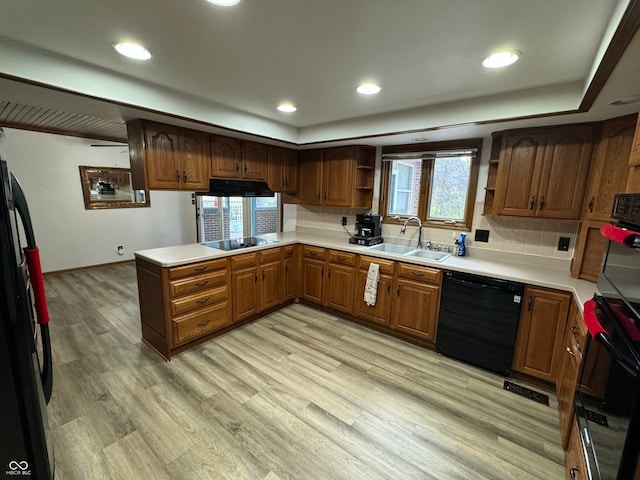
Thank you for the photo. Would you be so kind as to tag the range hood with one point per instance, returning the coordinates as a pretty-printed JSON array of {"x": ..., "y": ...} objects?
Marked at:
[{"x": 238, "y": 188}]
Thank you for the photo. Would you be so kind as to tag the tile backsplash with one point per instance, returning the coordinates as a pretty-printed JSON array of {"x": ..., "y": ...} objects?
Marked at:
[{"x": 537, "y": 237}]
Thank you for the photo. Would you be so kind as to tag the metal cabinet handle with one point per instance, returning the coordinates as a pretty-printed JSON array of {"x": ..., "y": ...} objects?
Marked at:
[
  {"x": 262, "y": 275},
  {"x": 184, "y": 176},
  {"x": 542, "y": 202},
  {"x": 200, "y": 269},
  {"x": 342, "y": 259},
  {"x": 569, "y": 351},
  {"x": 591, "y": 203},
  {"x": 574, "y": 330},
  {"x": 237, "y": 167},
  {"x": 572, "y": 472},
  {"x": 313, "y": 253},
  {"x": 417, "y": 274},
  {"x": 529, "y": 302},
  {"x": 177, "y": 176},
  {"x": 202, "y": 324},
  {"x": 245, "y": 168},
  {"x": 329, "y": 273},
  {"x": 389, "y": 288},
  {"x": 318, "y": 196},
  {"x": 202, "y": 284},
  {"x": 255, "y": 278},
  {"x": 203, "y": 300},
  {"x": 398, "y": 291},
  {"x": 533, "y": 202},
  {"x": 286, "y": 269}
]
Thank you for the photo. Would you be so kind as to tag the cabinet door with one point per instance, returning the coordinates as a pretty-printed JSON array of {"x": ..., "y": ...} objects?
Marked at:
[
  {"x": 290, "y": 171},
  {"x": 194, "y": 152},
  {"x": 254, "y": 161},
  {"x": 162, "y": 157},
  {"x": 609, "y": 169},
  {"x": 575, "y": 463},
  {"x": 381, "y": 311},
  {"x": 270, "y": 285},
  {"x": 564, "y": 172},
  {"x": 226, "y": 157},
  {"x": 540, "y": 332},
  {"x": 246, "y": 295},
  {"x": 415, "y": 309},
  {"x": 340, "y": 286},
  {"x": 590, "y": 248},
  {"x": 338, "y": 177},
  {"x": 313, "y": 281},
  {"x": 310, "y": 191},
  {"x": 275, "y": 175},
  {"x": 289, "y": 283},
  {"x": 571, "y": 359},
  {"x": 634, "y": 156},
  {"x": 519, "y": 172}
]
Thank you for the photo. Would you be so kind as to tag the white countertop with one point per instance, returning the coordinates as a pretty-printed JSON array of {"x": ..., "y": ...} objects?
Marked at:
[{"x": 519, "y": 272}]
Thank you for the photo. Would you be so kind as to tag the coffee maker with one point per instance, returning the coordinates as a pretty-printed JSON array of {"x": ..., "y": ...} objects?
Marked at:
[{"x": 369, "y": 226}]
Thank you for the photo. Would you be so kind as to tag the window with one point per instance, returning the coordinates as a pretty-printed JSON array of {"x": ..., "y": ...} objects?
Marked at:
[
  {"x": 235, "y": 217},
  {"x": 435, "y": 182}
]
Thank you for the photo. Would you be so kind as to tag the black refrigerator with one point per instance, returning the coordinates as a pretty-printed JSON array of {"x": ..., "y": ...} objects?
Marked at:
[{"x": 25, "y": 349}]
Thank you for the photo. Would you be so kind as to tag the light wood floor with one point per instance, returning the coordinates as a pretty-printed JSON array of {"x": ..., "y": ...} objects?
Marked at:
[{"x": 299, "y": 394}]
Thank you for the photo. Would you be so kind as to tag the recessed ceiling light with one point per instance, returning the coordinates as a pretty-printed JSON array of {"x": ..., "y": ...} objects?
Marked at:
[
  {"x": 626, "y": 100},
  {"x": 224, "y": 3},
  {"x": 132, "y": 50},
  {"x": 287, "y": 108},
  {"x": 368, "y": 89},
  {"x": 501, "y": 59}
]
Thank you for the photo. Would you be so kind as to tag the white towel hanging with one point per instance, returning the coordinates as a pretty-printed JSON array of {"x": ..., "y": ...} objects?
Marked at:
[{"x": 371, "y": 286}]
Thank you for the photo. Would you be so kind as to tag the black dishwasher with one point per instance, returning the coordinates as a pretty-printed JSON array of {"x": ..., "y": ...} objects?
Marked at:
[{"x": 478, "y": 320}]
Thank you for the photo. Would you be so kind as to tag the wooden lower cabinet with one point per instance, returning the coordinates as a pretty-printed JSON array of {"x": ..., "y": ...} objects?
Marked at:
[
  {"x": 270, "y": 278},
  {"x": 312, "y": 274},
  {"x": 539, "y": 341},
  {"x": 575, "y": 463},
  {"x": 246, "y": 293},
  {"x": 181, "y": 305},
  {"x": 416, "y": 301},
  {"x": 289, "y": 271},
  {"x": 380, "y": 312},
  {"x": 573, "y": 346},
  {"x": 340, "y": 281}
]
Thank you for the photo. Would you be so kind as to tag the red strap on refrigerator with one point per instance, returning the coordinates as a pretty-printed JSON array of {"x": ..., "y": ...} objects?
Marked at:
[
  {"x": 591, "y": 319},
  {"x": 619, "y": 235},
  {"x": 37, "y": 283}
]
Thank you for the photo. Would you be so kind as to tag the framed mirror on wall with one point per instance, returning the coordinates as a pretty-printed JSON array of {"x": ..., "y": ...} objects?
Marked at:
[{"x": 110, "y": 187}]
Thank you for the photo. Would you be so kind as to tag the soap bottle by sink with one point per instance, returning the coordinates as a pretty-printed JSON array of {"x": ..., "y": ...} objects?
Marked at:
[{"x": 462, "y": 248}]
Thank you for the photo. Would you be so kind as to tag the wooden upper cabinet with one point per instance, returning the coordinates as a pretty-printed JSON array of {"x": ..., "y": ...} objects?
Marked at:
[
  {"x": 540, "y": 332},
  {"x": 610, "y": 167},
  {"x": 226, "y": 157},
  {"x": 543, "y": 173},
  {"x": 194, "y": 147},
  {"x": 162, "y": 162},
  {"x": 521, "y": 158},
  {"x": 337, "y": 177},
  {"x": 254, "y": 161},
  {"x": 310, "y": 191},
  {"x": 564, "y": 172},
  {"x": 164, "y": 157},
  {"x": 283, "y": 169},
  {"x": 634, "y": 157}
]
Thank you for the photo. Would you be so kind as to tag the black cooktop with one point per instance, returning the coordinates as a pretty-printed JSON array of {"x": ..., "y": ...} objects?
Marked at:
[{"x": 237, "y": 243}]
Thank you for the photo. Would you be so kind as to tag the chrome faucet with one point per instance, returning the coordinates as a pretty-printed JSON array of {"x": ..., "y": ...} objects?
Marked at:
[{"x": 404, "y": 229}]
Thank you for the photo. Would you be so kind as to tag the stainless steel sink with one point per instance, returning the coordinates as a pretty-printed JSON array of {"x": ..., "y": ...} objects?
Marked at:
[
  {"x": 391, "y": 248},
  {"x": 429, "y": 255},
  {"x": 410, "y": 252}
]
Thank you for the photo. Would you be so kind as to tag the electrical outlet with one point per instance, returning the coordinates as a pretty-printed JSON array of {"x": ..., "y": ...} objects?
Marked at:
[
  {"x": 344, "y": 221},
  {"x": 481, "y": 236},
  {"x": 563, "y": 244},
  {"x": 120, "y": 250}
]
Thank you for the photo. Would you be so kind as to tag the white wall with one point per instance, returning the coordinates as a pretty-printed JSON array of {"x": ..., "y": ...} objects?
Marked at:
[{"x": 68, "y": 235}]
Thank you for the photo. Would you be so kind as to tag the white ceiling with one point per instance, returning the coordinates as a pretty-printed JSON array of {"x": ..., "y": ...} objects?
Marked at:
[{"x": 232, "y": 67}]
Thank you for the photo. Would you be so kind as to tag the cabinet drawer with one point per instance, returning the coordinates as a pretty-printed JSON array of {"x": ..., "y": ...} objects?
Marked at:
[
  {"x": 288, "y": 251},
  {"x": 416, "y": 272},
  {"x": 342, "y": 257},
  {"x": 195, "y": 284},
  {"x": 386, "y": 266},
  {"x": 204, "y": 321},
  {"x": 197, "y": 268},
  {"x": 314, "y": 252},
  {"x": 271, "y": 255},
  {"x": 244, "y": 260},
  {"x": 211, "y": 296}
]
